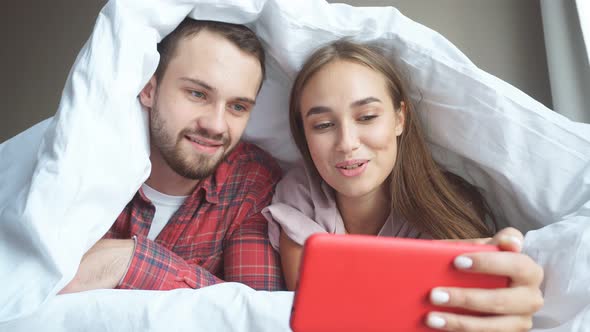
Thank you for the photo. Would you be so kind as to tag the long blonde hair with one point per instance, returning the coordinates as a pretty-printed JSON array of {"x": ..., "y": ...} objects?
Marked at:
[{"x": 437, "y": 202}]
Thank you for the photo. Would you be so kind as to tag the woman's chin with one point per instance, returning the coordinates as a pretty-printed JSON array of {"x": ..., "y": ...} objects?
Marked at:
[{"x": 353, "y": 191}]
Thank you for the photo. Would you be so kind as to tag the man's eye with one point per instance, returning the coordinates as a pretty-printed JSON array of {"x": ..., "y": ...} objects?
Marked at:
[
  {"x": 197, "y": 94},
  {"x": 324, "y": 125},
  {"x": 239, "y": 108},
  {"x": 367, "y": 117}
]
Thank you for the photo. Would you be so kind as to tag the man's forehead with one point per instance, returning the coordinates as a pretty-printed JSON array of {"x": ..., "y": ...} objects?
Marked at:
[{"x": 212, "y": 59}]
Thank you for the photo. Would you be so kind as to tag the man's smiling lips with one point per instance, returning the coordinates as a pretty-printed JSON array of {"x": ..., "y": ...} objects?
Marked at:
[{"x": 203, "y": 144}]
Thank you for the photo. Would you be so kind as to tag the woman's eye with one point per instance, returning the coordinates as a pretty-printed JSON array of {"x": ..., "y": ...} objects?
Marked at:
[
  {"x": 197, "y": 94},
  {"x": 367, "y": 117},
  {"x": 324, "y": 125}
]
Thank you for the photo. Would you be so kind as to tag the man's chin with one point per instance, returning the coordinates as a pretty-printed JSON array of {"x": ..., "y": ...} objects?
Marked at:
[
  {"x": 201, "y": 167},
  {"x": 197, "y": 165},
  {"x": 196, "y": 173}
]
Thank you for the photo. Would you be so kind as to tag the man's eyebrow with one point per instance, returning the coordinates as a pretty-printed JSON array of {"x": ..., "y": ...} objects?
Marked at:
[
  {"x": 317, "y": 110},
  {"x": 364, "y": 101},
  {"x": 247, "y": 100},
  {"x": 198, "y": 82}
]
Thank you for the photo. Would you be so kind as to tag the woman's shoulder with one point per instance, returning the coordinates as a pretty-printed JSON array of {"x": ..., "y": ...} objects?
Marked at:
[
  {"x": 299, "y": 207},
  {"x": 297, "y": 184},
  {"x": 296, "y": 175}
]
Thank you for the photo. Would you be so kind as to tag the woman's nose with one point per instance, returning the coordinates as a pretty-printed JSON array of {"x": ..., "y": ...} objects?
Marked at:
[{"x": 349, "y": 139}]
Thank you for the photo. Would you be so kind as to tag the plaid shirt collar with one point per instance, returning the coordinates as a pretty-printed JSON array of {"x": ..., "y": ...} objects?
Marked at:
[{"x": 207, "y": 185}]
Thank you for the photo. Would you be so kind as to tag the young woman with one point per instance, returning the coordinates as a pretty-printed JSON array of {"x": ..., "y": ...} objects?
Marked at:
[{"x": 368, "y": 171}]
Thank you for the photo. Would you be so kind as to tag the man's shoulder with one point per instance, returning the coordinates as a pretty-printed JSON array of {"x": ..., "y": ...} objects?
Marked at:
[
  {"x": 248, "y": 156},
  {"x": 250, "y": 151},
  {"x": 246, "y": 152}
]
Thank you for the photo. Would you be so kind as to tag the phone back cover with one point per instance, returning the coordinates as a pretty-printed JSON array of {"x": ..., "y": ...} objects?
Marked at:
[{"x": 368, "y": 283}]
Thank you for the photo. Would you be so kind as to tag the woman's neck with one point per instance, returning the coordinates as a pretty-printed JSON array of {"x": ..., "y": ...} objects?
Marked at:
[{"x": 366, "y": 214}]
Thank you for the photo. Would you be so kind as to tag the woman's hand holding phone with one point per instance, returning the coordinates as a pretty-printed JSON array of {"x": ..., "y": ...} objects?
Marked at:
[{"x": 503, "y": 309}]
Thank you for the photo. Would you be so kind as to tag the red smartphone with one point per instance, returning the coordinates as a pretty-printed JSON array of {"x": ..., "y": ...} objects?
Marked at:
[{"x": 368, "y": 283}]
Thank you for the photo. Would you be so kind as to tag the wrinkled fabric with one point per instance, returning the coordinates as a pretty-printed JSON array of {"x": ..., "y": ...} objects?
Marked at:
[
  {"x": 222, "y": 307},
  {"x": 64, "y": 181}
]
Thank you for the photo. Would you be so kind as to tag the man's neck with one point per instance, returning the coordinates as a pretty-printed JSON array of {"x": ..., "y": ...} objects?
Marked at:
[{"x": 165, "y": 180}]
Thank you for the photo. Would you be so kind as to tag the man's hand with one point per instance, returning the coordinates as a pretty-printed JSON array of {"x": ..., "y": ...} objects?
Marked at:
[{"x": 102, "y": 266}]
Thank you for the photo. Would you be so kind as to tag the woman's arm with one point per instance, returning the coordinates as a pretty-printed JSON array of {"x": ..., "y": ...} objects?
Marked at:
[
  {"x": 290, "y": 259},
  {"x": 511, "y": 308}
]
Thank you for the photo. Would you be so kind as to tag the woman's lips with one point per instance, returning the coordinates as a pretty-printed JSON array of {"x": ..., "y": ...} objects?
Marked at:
[{"x": 353, "y": 167}]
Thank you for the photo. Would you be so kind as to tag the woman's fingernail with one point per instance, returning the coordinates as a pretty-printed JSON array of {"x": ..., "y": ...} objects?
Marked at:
[
  {"x": 435, "y": 321},
  {"x": 463, "y": 262},
  {"x": 512, "y": 239},
  {"x": 438, "y": 296}
]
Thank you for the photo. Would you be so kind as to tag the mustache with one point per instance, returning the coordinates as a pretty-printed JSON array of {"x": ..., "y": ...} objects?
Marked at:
[{"x": 222, "y": 139}]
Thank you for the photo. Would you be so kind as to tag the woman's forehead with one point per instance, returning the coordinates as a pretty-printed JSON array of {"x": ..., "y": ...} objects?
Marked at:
[{"x": 343, "y": 82}]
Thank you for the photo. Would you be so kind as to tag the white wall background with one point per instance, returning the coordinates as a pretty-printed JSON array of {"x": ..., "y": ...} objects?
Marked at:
[{"x": 40, "y": 40}]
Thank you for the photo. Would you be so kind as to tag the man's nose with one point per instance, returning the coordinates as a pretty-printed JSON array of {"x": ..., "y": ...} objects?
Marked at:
[{"x": 213, "y": 121}]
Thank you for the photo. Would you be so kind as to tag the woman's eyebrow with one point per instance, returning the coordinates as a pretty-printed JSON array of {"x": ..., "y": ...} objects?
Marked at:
[
  {"x": 364, "y": 101},
  {"x": 324, "y": 109},
  {"x": 317, "y": 110}
]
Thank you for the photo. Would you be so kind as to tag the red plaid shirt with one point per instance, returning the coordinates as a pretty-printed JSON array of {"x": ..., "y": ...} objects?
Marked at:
[{"x": 217, "y": 234}]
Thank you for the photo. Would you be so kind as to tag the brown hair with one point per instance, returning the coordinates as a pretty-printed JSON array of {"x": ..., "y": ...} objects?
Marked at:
[
  {"x": 439, "y": 203},
  {"x": 242, "y": 37}
]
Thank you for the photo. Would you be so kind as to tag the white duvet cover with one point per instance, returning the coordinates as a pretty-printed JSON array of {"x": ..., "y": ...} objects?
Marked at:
[{"x": 64, "y": 181}]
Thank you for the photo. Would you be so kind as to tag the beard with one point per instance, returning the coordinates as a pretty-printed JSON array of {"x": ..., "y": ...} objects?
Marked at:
[{"x": 179, "y": 155}]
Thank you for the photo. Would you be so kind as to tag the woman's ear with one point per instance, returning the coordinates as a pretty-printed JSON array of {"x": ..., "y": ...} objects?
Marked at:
[
  {"x": 147, "y": 96},
  {"x": 400, "y": 119}
]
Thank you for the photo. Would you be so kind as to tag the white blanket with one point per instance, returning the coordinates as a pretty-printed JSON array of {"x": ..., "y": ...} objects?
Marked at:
[{"x": 64, "y": 181}]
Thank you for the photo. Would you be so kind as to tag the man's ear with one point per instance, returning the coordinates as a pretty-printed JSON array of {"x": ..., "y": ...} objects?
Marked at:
[
  {"x": 400, "y": 119},
  {"x": 147, "y": 96}
]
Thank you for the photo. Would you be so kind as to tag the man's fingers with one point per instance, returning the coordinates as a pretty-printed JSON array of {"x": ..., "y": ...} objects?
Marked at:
[
  {"x": 503, "y": 301},
  {"x": 461, "y": 323}
]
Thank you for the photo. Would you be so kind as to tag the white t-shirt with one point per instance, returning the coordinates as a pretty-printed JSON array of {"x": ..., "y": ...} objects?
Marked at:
[{"x": 166, "y": 206}]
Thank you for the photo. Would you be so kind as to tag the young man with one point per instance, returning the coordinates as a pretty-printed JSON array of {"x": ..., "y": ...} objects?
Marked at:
[{"x": 196, "y": 221}]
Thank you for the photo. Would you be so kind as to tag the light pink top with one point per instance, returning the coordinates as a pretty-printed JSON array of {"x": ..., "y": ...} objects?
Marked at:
[{"x": 303, "y": 205}]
